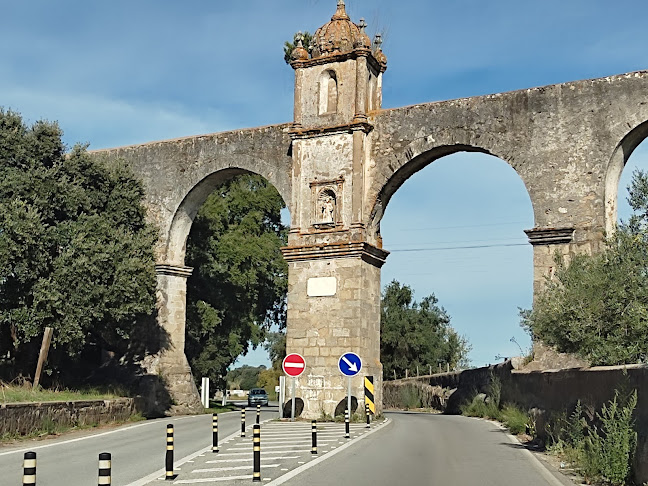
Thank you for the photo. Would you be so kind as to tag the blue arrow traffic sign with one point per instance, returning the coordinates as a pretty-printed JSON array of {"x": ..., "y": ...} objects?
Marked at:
[{"x": 350, "y": 364}]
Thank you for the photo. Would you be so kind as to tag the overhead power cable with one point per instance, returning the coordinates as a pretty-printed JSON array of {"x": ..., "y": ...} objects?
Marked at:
[
  {"x": 461, "y": 226},
  {"x": 472, "y": 247},
  {"x": 491, "y": 240}
]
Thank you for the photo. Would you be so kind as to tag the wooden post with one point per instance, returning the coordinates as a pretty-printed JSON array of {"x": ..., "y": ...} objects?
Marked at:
[{"x": 42, "y": 356}]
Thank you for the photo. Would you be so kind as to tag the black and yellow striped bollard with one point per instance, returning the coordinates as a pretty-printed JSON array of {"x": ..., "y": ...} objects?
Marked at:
[
  {"x": 368, "y": 415},
  {"x": 243, "y": 423},
  {"x": 256, "y": 440},
  {"x": 105, "y": 465},
  {"x": 346, "y": 424},
  {"x": 29, "y": 469},
  {"x": 314, "y": 433},
  {"x": 258, "y": 417},
  {"x": 215, "y": 432},
  {"x": 169, "y": 453}
]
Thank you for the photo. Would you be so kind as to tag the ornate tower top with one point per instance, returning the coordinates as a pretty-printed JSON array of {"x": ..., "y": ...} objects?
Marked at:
[{"x": 339, "y": 36}]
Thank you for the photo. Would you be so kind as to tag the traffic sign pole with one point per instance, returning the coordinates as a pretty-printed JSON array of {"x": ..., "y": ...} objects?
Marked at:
[
  {"x": 292, "y": 394},
  {"x": 349, "y": 397},
  {"x": 349, "y": 365},
  {"x": 293, "y": 365}
]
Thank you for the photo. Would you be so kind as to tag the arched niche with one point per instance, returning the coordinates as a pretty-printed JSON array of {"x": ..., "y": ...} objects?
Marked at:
[{"x": 328, "y": 92}]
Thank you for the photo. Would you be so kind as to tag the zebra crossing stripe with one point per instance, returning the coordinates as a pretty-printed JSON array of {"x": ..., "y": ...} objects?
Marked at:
[
  {"x": 212, "y": 480},
  {"x": 229, "y": 468},
  {"x": 369, "y": 393}
]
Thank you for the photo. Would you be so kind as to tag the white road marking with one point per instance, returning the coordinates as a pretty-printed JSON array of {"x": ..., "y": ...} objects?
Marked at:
[
  {"x": 263, "y": 447},
  {"x": 102, "y": 434},
  {"x": 145, "y": 480},
  {"x": 250, "y": 452},
  {"x": 229, "y": 468},
  {"x": 250, "y": 458},
  {"x": 209, "y": 480},
  {"x": 544, "y": 472},
  {"x": 304, "y": 467},
  {"x": 293, "y": 441}
]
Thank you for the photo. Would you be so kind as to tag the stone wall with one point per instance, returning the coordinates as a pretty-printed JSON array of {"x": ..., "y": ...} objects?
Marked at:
[
  {"x": 23, "y": 418},
  {"x": 547, "y": 391}
]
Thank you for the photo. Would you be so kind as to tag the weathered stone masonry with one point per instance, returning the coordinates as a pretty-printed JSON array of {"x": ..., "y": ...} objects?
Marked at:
[{"x": 341, "y": 160}]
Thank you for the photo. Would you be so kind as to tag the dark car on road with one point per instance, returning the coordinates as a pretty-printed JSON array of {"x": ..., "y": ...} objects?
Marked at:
[{"x": 257, "y": 396}]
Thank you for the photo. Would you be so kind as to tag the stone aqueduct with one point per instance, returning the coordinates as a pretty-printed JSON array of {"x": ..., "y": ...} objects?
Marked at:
[{"x": 342, "y": 158}]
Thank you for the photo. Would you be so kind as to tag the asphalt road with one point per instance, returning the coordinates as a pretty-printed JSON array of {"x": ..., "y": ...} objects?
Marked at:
[
  {"x": 138, "y": 450},
  {"x": 439, "y": 450},
  {"x": 412, "y": 449}
]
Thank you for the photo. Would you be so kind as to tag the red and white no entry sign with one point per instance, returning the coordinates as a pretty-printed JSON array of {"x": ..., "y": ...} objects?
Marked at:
[{"x": 293, "y": 364}]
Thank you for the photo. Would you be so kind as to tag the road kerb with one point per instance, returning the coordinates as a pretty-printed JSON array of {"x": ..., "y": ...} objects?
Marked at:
[{"x": 541, "y": 468}]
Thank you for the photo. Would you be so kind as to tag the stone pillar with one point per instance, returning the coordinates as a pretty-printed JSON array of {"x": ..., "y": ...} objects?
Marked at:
[
  {"x": 334, "y": 308},
  {"x": 173, "y": 365},
  {"x": 547, "y": 242},
  {"x": 297, "y": 110},
  {"x": 362, "y": 73}
]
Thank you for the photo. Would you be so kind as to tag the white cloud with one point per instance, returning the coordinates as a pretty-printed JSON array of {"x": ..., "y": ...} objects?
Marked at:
[{"x": 106, "y": 122}]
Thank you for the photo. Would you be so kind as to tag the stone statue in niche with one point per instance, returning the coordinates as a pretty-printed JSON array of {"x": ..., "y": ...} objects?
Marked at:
[{"x": 326, "y": 207}]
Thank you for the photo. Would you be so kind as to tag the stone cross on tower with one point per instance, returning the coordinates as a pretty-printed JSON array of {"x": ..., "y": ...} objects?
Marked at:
[{"x": 334, "y": 277}]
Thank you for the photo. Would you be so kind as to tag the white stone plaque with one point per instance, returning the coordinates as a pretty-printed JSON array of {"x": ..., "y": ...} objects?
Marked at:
[{"x": 321, "y": 286}]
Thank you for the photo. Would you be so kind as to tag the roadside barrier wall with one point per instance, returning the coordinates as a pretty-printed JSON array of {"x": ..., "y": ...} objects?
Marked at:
[{"x": 23, "y": 418}]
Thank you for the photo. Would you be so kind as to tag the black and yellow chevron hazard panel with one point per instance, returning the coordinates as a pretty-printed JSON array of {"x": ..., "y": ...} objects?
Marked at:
[{"x": 369, "y": 393}]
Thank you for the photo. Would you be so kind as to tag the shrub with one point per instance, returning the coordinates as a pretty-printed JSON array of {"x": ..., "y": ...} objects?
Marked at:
[
  {"x": 602, "y": 452},
  {"x": 515, "y": 419},
  {"x": 480, "y": 407},
  {"x": 609, "y": 451}
]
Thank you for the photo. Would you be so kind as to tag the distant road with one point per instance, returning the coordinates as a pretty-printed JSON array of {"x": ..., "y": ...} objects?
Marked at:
[
  {"x": 435, "y": 450},
  {"x": 137, "y": 450}
]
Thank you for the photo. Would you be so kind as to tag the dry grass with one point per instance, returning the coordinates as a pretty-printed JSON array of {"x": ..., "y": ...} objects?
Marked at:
[{"x": 24, "y": 393}]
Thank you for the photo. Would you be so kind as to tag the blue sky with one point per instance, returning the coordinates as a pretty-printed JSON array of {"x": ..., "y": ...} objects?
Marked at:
[{"x": 123, "y": 72}]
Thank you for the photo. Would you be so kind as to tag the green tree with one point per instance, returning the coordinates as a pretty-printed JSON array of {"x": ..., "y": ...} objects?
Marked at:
[
  {"x": 75, "y": 251},
  {"x": 238, "y": 289},
  {"x": 416, "y": 334},
  {"x": 597, "y": 306},
  {"x": 244, "y": 377},
  {"x": 290, "y": 46},
  {"x": 275, "y": 345}
]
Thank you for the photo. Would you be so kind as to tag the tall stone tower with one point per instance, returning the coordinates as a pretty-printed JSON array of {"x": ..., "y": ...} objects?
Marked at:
[{"x": 334, "y": 265}]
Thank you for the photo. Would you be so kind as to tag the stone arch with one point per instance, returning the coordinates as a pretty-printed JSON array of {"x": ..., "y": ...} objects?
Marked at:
[
  {"x": 172, "y": 283},
  {"x": 176, "y": 239},
  {"x": 418, "y": 155},
  {"x": 618, "y": 161}
]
